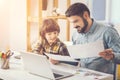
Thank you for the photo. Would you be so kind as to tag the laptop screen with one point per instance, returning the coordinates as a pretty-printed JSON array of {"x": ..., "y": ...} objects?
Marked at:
[{"x": 39, "y": 65}]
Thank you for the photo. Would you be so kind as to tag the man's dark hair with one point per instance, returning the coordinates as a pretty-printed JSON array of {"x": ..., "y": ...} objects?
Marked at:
[{"x": 77, "y": 9}]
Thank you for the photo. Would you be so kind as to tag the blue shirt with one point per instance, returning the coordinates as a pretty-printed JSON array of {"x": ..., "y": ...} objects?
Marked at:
[{"x": 111, "y": 39}]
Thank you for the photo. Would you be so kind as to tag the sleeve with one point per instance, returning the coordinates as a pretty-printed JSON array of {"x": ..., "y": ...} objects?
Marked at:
[
  {"x": 37, "y": 48},
  {"x": 112, "y": 40},
  {"x": 63, "y": 50}
]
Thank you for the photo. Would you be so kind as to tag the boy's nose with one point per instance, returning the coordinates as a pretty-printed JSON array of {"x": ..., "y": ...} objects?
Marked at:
[{"x": 52, "y": 36}]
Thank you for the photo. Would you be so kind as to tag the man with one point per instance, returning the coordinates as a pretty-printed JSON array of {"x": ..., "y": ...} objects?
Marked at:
[{"x": 89, "y": 30}]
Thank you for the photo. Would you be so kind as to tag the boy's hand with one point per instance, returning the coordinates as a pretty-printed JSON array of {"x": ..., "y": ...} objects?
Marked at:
[
  {"x": 53, "y": 61},
  {"x": 107, "y": 54}
]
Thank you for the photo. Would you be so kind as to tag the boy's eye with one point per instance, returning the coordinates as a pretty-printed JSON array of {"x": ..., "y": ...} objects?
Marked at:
[
  {"x": 55, "y": 32},
  {"x": 49, "y": 33}
]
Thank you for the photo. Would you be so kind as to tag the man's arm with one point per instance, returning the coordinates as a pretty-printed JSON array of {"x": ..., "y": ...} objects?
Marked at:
[{"x": 112, "y": 40}]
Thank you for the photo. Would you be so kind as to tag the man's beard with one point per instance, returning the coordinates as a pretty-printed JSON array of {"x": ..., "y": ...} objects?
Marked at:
[{"x": 85, "y": 26}]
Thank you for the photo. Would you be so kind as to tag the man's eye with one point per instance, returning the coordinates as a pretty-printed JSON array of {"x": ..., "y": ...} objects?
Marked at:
[{"x": 75, "y": 21}]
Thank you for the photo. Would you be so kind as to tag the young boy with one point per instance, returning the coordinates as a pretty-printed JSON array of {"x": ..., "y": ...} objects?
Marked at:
[{"x": 50, "y": 42}]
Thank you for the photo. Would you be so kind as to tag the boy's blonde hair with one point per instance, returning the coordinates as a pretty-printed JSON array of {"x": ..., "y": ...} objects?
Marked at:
[{"x": 49, "y": 25}]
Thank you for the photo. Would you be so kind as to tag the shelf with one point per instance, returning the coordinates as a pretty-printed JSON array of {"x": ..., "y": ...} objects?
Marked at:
[
  {"x": 36, "y": 19},
  {"x": 32, "y": 19},
  {"x": 58, "y": 17}
]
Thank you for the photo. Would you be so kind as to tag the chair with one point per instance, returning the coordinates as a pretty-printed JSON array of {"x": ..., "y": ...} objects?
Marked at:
[{"x": 115, "y": 74}]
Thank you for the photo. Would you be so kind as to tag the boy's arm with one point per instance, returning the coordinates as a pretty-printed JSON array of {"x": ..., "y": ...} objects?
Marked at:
[
  {"x": 37, "y": 48},
  {"x": 63, "y": 50}
]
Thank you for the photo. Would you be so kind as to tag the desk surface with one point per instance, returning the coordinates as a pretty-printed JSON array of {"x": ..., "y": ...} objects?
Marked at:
[{"x": 16, "y": 72}]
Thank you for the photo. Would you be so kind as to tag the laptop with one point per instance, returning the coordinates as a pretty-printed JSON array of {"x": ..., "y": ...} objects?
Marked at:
[{"x": 40, "y": 66}]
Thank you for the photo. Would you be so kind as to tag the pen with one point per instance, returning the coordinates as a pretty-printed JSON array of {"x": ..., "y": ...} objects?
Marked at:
[{"x": 9, "y": 53}]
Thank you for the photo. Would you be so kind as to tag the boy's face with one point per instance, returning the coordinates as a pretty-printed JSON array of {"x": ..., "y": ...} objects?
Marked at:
[{"x": 51, "y": 36}]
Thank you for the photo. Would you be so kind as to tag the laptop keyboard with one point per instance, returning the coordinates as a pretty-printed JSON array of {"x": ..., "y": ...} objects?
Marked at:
[
  {"x": 57, "y": 75},
  {"x": 1, "y": 79}
]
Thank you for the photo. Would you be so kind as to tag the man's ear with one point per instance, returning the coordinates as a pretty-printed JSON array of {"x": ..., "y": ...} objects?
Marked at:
[{"x": 85, "y": 15}]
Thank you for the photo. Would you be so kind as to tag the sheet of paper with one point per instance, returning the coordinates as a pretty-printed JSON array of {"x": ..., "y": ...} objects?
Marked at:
[
  {"x": 60, "y": 57},
  {"x": 86, "y": 50}
]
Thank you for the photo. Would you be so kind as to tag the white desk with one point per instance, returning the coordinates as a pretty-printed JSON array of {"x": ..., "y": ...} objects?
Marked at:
[{"x": 16, "y": 72}]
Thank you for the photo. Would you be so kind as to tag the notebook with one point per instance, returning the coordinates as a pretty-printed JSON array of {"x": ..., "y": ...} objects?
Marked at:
[{"x": 40, "y": 66}]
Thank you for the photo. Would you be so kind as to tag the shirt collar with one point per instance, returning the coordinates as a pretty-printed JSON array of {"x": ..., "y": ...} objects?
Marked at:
[
  {"x": 92, "y": 27},
  {"x": 46, "y": 43}
]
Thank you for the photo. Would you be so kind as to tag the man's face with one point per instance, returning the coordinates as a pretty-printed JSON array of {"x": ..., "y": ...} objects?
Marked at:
[{"x": 79, "y": 23}]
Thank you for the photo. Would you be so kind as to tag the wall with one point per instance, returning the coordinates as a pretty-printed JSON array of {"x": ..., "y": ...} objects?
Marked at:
[
  {"x": 18, "y": 25},
  {"x": 12, "y": 24},
  {"x": 115, "y": 13},
  {"x": 4, "y": 24}
]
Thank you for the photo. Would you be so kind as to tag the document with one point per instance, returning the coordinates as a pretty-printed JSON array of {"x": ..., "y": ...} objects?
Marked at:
[
  {"x": 86, "y": 50},
  {"x": 60, "y": 57}
]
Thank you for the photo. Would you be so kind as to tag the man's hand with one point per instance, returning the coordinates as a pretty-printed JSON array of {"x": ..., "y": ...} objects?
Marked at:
[
  {"x": 53, "y": 61},
  {"x": 107, "y": 54}
]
